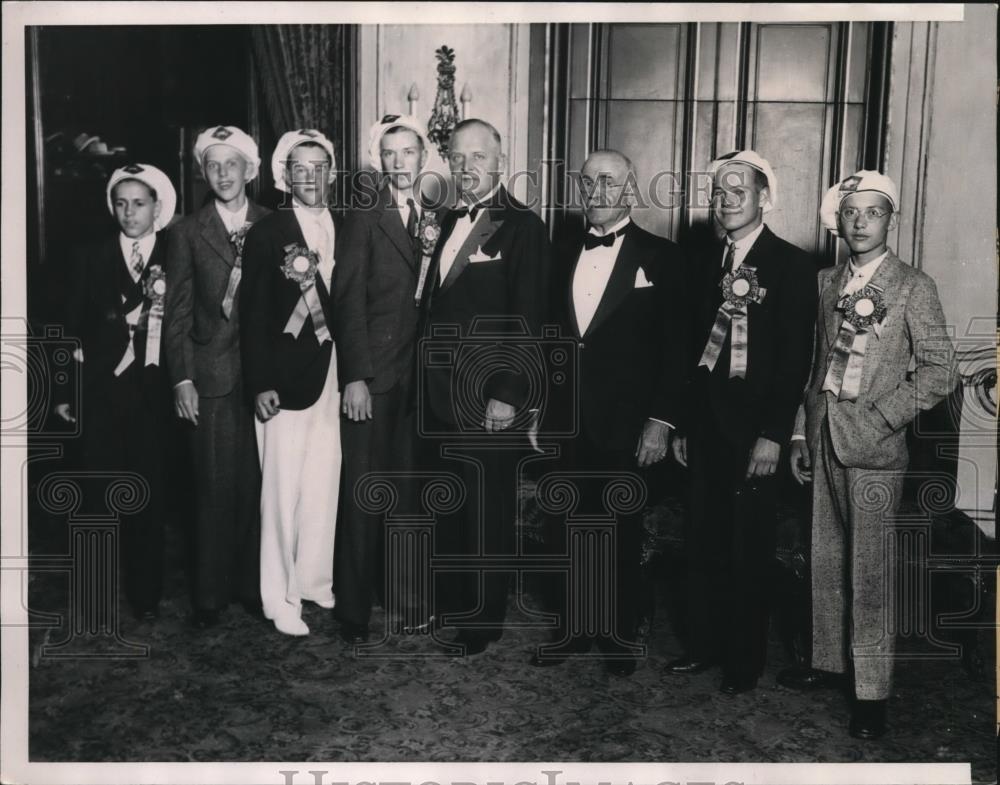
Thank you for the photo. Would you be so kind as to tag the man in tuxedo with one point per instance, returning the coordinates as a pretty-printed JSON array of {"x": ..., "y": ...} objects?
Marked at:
[
  {"x": 755, "y": 309},
  {"x": 620, "y": 295},
  {"x": 878, "y": 317},
  {"x": 202, "y": 345},
  {"x": 376, "y": 283},
  {"x": 115, "y": 309},
  {"x": 492, "y": 259},
  {"x": 290, "y": 370}
]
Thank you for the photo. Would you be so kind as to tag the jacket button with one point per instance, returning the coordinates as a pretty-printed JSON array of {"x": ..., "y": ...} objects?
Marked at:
[{"x": 582, "y": 345}]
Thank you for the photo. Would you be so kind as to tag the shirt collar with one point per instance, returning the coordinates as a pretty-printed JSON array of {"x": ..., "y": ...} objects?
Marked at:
[
  {"x": 868, "y": 270},
  {"x": 616, "y": 228},
  {"x": 232, "y": 220},
  {"x": 746, "y": 243},
  {"x": 482, "y": 203},
  {"x": 145, "y": 245},
  {"x": 305, "y": 213},
  {"x": 399, "y": 199}
]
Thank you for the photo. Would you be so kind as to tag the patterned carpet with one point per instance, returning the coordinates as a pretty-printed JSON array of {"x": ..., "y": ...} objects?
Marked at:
[{"x": 243, "y": 692}]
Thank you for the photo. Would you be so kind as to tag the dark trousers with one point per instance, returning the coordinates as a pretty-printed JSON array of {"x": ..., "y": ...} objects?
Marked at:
[
  {"x": 384, "y": 443},
  {"x": 730, "y": 542},
  {"x": 475, "y": 597},
  {"x": 226, "y": 475},
  {"x": 124, "y": 429},
  {"x": 598, "y": 600}
]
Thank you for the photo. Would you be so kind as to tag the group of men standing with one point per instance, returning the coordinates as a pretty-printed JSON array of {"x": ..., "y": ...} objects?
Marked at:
[{"x": 291, "y": 342}]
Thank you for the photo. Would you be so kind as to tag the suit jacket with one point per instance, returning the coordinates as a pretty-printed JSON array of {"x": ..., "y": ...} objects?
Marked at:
[
  {"x": 295, "y": 367},
  {"x": 632, "y": 359},
  {"x": 780, "y": 336},
  {"x": 870, "y": 433},
  {"x": 513, "y": 284},
  {"x": 96, "y": 311},
  {"x": 376, "y": 280},
  {"x": 199, "y": 342}
]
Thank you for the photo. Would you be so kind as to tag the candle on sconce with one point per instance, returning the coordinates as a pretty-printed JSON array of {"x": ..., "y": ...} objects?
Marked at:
[
  {"x": 413, "y": 97},
  {"x": 466, "y": 99}
]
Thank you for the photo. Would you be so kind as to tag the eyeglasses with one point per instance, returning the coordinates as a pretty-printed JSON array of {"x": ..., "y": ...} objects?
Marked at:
[{"x": 870, "y": 213}]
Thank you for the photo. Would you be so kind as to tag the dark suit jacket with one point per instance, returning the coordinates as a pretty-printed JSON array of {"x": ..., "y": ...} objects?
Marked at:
[
  {"x": 780, "y": 335},
  {"x": 512, "y": 285},
  {"x": 295, "y": 367},
  {"x": 199, "y": 342},
  {"x": 375, "y": 283},
  {"x": 632, "y": 360},
  {"x": 96, "y": 314}
]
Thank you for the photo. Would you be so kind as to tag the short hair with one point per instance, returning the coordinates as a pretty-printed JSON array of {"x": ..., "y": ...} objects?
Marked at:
[
  {"x": 630, "y": 167},
  {"x": 398, "y": 128},
  {"x": 317, "y": 145},
  {"x": 152, "y": 191},
  {"x": 474, "y": 122}
]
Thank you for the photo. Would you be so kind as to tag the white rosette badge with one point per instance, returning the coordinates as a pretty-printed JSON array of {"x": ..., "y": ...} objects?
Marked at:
[
  {"x": 300, "y": 266},
  {"x": 155, "y": 290},
  {"x": 739, "y": 290},
  {"x": 864, "y": 312},
  {"x": 428, "y": 231}
]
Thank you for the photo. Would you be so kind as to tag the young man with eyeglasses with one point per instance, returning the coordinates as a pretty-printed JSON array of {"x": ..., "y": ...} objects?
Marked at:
[{"x": 877, "y": 317}]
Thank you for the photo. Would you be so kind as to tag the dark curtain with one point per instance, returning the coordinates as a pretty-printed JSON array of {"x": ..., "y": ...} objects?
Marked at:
[{"x": 305, "y": 79}]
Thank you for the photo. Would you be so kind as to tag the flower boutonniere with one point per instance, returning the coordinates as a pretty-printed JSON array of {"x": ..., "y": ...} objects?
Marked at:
[
  {"x": 429, "y": 232},
  {"x": 155, "y": 285},
  {"x": 300, "y": 264},
  {"x": 865, "y": 308}
]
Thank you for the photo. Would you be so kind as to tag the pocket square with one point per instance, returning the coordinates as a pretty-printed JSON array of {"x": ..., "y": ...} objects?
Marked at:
[
  {"x": 641, "y": 282},
  {"x": 479, "y": 256}
]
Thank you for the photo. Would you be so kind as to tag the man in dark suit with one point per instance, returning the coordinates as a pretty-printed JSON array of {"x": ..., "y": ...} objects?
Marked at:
[
  {"x": 376, "y": 283},
  {"x": 290, "y": 370},
  {"x": 620, "y": 295},
  {"x": 756, "y": 309},
  {"x": 201, "y": 341},
  {"x": 492, "y": 259},
  {"x": 115, "y": 309}
]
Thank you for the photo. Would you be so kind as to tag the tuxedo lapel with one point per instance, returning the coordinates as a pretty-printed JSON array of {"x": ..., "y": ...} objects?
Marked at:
[
  {"x": 577, "y": 249},
  {"x": 213, "y": 232},
  {"x": 620, "y": 284},
  {"x": 484, "y": 228}
]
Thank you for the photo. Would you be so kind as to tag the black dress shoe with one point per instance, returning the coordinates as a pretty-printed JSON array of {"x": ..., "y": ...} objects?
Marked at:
[
  {"x": 807, "y": 679},
  {"x": 868, "y": 719},
  {"x": 474, "y": 642},
  {"x": 147, "y": 615},
  {"x": 621, "y": 668},
  {"x": 353, "y": 633},
  {"x": 688, "y": 665},
  {"x": 202, "y": 618},
  {"x": 734, "y": 685}
]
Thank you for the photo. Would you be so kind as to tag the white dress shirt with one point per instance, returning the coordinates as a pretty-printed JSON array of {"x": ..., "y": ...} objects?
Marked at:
[
  {"x": 741, "y": 247},
  {"x": 593, "y": 270},
  {"x": 860, "y": 276},
  {"x": 233, "y": 221},
  {"x": 459, "y": 234},
  {"x": 145, "y": 248},
  {"x": 319, "y": 232}
]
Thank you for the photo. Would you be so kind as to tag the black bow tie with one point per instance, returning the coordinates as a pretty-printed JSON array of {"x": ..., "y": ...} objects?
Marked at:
[
  {"x": 466, "y": 210},
  {"x": 591, "y": 240}
]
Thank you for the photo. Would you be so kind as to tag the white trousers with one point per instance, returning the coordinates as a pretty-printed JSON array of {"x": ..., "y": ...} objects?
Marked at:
[{"x": 300, "y": 466}]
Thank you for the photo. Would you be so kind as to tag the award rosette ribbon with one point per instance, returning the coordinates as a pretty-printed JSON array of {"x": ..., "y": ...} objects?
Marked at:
[
  {"x": 155, "y": 289},
  {"x": 236, "y": 239},
  {"x": 429, "y": 230},
  {"x": 739, "y": 288},
  {"x": 300, "y": 266},
  {"x": 864, "y": 311}
]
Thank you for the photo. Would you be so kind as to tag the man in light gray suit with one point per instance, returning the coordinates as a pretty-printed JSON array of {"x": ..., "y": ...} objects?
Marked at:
[{"x": 877, "y": 317}]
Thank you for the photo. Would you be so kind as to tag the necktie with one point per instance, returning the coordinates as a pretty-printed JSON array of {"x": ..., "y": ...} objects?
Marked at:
[
  {"x": 465, "y": 210},
  {"x": 411, "y": 226},
  {"x": 136, "y": 261},
  {"x": 592, "y": 241},
  {"x": 729, "y": 261}
]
